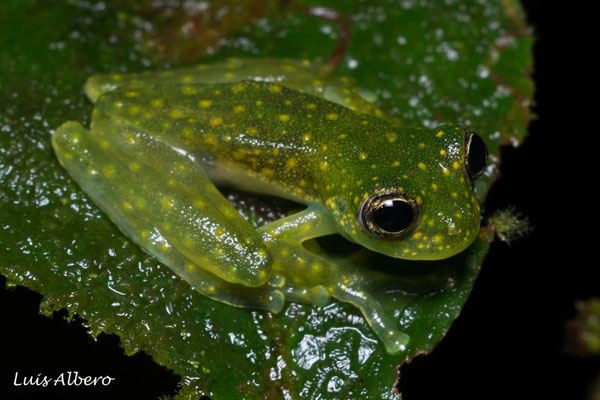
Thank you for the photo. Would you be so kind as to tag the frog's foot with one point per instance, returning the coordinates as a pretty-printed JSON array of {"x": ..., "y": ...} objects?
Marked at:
[
  {"x": 380, "y": 321},
  {"x": 310, "y": 278},
  {"x": 384, "y": 326}
]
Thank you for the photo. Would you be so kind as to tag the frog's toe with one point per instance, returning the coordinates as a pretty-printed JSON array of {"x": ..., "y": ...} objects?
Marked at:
[
  {"x": 276, "y": 301},
  {"x": 395, "y": 341},
  {"x": 320, "y": 296},
  {"x": 381, "y": 321}
]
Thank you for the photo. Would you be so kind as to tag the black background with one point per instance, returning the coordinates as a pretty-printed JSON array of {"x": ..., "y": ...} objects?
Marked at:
[{"x": 508, "y": 342}]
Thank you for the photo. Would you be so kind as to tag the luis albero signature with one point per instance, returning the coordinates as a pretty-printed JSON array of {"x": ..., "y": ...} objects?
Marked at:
[{"x": 68, "y": 378}]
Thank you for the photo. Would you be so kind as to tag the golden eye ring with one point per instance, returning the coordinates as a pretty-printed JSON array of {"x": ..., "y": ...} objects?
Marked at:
[{"x": 390, "y": 215}]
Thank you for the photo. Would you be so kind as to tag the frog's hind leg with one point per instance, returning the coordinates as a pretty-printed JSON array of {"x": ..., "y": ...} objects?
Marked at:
[{"x": 165, "y": 203}]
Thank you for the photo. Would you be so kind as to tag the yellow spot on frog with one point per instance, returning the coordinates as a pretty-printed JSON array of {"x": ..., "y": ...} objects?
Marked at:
[
  {"x": 205, "y": 103},
  {"x": 332, "y": 116},
  {"x": 262, "y": 253},
  {"x": 157, "y": 103},
  {"x": 291, "y": 163},
  {"x": 311, "y": 106},
  {"x": 275, "y": 88},
  {"x": 421, "y": 165},
  {"x": 439, "y": 134},
  {"x": 239, "y": 87},
  {"x": 442, "y": 152},
  {"x": 267, "y": 172},
  {"x": 210, "y": 139},
  {"x": 175, "y": 114},
  {"x": 239, "y": 109},
  {"x": 362, "y": 156},
  {"x": 455, "y": 165},
  {"x": 306, "y": 137},
  {"x": 284, "y": 117},
  {"x": 216, "y": 121},
  {"x": 131, "y": 94}
]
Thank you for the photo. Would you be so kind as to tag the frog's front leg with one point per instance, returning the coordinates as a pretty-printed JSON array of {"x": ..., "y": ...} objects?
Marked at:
[
  {"x": 162, "y": 199},
  {"x": 313, "y": 278}
]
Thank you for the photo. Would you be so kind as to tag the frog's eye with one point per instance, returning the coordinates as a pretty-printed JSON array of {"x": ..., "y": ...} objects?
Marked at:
[
  {"x": 476, "y": 155},
  {"x": 389, "y": 214}
]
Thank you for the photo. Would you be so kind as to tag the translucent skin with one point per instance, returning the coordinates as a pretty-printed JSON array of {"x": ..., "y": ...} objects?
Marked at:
[{"x": 158, "y": 144}]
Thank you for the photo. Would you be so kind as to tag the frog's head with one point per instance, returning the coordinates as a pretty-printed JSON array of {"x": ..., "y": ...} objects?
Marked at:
[{"x": 421, "y": 203}]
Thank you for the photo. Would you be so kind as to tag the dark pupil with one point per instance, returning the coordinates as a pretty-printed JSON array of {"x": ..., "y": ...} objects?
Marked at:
[
  {"x": 393, "y": 216},
  {"x": 477, "y": 157}
]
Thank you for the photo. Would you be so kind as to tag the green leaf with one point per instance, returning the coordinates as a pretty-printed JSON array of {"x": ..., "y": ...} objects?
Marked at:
[{"x": 427, "y": 62}]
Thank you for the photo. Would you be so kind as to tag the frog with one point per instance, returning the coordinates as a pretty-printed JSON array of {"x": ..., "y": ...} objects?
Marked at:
[{"x": 161, "y": 144}]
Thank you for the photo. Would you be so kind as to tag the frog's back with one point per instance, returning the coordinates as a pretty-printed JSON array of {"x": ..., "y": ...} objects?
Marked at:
[
  {"x": 304, "y": 76},
  {"x": 290, "y": 141}
]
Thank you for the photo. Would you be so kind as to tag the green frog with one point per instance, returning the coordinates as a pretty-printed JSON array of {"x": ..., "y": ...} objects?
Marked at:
[{"x": 160, "y": 143}]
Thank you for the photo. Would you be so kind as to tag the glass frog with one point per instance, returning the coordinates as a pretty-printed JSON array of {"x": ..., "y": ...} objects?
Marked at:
[{"x": 159, "y": 142}]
